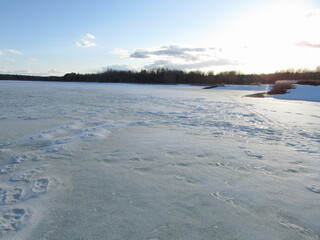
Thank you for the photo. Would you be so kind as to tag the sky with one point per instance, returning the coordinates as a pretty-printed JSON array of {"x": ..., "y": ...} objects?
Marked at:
[{"x": 55, "y": 37}]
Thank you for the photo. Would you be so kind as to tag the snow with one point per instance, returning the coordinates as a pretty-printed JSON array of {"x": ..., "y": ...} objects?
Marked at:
[
  {"x": 301, "y": 92},
  {"x": 121, "y": 161}
]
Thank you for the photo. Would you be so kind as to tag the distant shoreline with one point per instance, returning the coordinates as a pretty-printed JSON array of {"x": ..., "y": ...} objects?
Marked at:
[{"x": 173, "y": 77}]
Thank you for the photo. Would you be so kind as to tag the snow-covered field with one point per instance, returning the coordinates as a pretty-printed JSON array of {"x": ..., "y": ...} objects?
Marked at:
[{"x": 120, "y": 161}]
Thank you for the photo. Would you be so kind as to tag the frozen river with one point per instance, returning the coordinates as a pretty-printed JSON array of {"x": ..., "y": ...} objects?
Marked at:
[{"x": 118, "y": 161}]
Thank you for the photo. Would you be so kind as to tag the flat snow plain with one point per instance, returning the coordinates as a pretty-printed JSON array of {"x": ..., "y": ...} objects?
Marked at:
[{"x": 120, "y": 161}]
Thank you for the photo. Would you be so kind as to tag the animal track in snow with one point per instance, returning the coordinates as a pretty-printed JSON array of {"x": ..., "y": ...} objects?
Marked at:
[
  {"x": 10, "y": 196},
  {"x": 41, "y": 185},
  {"x": 25, "y": 157},
  {"x": 26, "y": 176},
  {"x": 18, "y": 159},
  {"x": 7, "y": 169},
  {"x": 13, "y": 219}
]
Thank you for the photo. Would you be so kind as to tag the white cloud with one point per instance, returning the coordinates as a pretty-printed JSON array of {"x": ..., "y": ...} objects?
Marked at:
[
  {"x": 89, "y": 36},
  {"x": 14, "y": 51},
  {"x": 1, "y": 53},
  {"x": 33, "y": 59},
  {"x": 85, "y": 43},
  {"x": 10, "y": 59}
]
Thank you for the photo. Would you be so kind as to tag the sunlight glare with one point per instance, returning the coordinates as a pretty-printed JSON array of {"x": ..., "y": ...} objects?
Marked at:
[{"x": 271, "y": 34}]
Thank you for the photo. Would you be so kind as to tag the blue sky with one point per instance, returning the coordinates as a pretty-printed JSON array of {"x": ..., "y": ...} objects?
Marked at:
[{"x": 59, "y": 36}]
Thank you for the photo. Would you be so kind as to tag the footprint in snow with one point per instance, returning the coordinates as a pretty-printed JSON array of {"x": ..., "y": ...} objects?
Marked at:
[
  {"x": 26, "y": 176},
  {"x": 41, "y": 185},
  {"x": 7, "y": 169},
  {"x": 24, "y": 157},
  {"x": 18, "y": 159},
  {"x": 13, "y": 219},
  {"x": 10, "y": 196}
]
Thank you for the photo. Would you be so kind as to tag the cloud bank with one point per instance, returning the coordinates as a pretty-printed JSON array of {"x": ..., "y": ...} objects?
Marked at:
[
  {"x": 178, "y": 57},
  {"x": 188, "y": 54}
]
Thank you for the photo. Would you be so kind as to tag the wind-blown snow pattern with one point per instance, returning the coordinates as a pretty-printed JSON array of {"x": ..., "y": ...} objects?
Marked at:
[{"x": 120, "y": 161}]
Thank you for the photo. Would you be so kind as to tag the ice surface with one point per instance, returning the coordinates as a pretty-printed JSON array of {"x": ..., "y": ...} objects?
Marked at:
[
  {"x": 121, "y": 161},
  {"x": 260, "y": 87}
]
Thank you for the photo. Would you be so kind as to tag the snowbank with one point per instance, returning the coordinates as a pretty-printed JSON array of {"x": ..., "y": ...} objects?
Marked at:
[{"x": 301, "y": 92}]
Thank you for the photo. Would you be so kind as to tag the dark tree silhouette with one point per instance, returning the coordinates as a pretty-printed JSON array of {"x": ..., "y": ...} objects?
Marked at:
[{"x": 166, "y": 76}]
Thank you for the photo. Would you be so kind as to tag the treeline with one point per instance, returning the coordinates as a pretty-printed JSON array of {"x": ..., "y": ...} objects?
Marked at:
[
  {"x": 165, "y": 76},
  {"x": 16, "y": 77}
]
